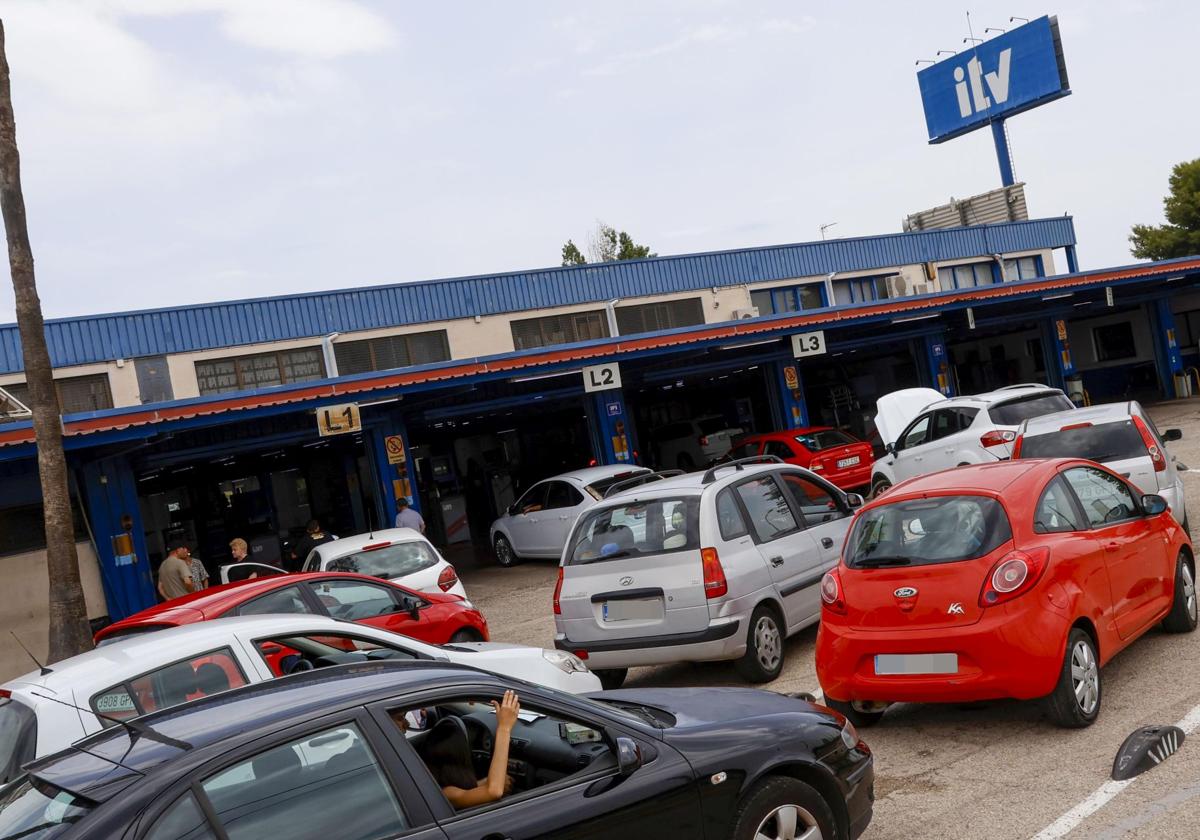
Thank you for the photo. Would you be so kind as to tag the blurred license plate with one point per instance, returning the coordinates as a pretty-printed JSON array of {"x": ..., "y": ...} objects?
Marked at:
[
  {"x": 916, "y": 663},
  {"x": 629, "y": 610},
  {"x": 848, "y": 462}
]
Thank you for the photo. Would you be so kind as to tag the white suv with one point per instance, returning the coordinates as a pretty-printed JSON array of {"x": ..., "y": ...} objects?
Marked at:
[
  {"x": 723, "y": 564},
  {"x": 925, "y": 432}
]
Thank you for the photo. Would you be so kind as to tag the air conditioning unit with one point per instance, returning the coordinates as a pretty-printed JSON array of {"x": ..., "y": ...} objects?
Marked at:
[
  {"x": 921, "y": 289},
  {"x": 897, "y": 286},
  {"x": 748, "y": 312}
]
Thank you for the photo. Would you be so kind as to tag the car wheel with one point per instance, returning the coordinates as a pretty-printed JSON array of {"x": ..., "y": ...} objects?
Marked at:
[
  {"x": 784, "y": 808},
  {"x": 685, "y": 462},
  {"x": 1182, "y": 617},
  {"x": 1075, "y": 702},
  {"x": 763, "y": 659},
  {"x": 880, "y": 486},
  {"x": 505, "y": 555},
  {"x": 611, "y": 678},
  {"x": 847, "y": 710},
  {"x": 466, "y": 635}
]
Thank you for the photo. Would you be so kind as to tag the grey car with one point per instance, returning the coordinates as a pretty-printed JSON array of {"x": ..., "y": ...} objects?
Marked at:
[{"x": 719, "y": 565}]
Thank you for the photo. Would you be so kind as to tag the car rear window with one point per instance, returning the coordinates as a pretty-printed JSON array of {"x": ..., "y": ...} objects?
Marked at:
[
  {"x": 599, "y": 487},
  {"x": 923, "y": 532},
  {"x": 392, "y": 561},
  {"x": 816, "y": 441},
  {"x": 637, "y": 528},
  {"x": 1013, "y": 412},
  {"x": 1106, "y": 442},
  {"x": 18, "y": 738},
  {"x": 33, "y": 809}
]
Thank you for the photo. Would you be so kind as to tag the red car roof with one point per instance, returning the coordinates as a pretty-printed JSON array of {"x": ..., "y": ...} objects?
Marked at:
[
  {"x": 995, "y": 478},
  {"x": 791, "y": 433},
  {"x": 217, "y": 600}
]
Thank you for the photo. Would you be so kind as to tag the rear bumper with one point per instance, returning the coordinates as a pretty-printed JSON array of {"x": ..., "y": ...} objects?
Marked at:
[
  {"x": 720, "y": 640},
  {"x": 1014, "y": 651},
  {"x": 860, "y": 798},
  {"x": 848, "y": 479}
]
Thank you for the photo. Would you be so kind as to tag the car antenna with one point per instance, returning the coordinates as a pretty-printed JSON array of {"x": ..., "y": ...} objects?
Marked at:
[
  {"x": 135, "y": 729},
  {"x": 44, "y": 670}
]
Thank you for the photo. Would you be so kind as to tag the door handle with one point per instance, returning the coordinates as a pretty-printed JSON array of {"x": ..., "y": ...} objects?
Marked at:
[
  {"x": 564, "y": 518},
  {"x": 1112, "y": 546},
  {"x": 776, "y": 561},
  {"x": 826, "y": 542}
]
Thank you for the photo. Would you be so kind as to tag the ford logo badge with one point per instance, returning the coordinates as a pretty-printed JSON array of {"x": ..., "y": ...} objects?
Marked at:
[
  {"x": 906, "y": 592},
  {"x": 625, "y": 581}
]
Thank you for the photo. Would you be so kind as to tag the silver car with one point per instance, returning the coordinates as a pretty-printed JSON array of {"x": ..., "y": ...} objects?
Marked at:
[
  {"x": 1121, "y": 436},
  {"x": 537, "y": 524},
  {"x": 718, "y": 565}
]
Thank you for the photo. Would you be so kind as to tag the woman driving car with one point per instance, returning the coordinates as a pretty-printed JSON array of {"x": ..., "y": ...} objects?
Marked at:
[{"x": 447, "y": 753}]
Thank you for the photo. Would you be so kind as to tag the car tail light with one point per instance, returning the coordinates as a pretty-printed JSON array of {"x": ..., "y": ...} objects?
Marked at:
[
  {"x": 1156, "y": 455},
  {"x": 5, "y": 693},
  {"x": 582, "y": 654},
  {"x": 1013, "y": 575},
  {"x": 1016, "y": 450},
  {"x": 447, "y": 578},
  {"x": 557, "y": 607},
  {"x": 997, "y": 437},
  {"x": 375, "y": 546},
  {"x": 831, "y": 592},
  {"x": 704, "y": 440},
  {"x": 592, "y": 462},
  {"x": 715, "y": 584}
]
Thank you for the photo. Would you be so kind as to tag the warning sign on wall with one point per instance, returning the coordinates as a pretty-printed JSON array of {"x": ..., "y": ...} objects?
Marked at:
[{"x": 394, "y": 444}]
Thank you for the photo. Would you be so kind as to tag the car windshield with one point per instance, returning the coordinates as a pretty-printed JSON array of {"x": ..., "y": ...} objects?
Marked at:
[
  {"x": 816, "y": 441},
  {"x": 636, "y": 528},
  {"x": 1107, "y": 442},
  {"x": 18, "y": 738},
  {"x": 598, "y": 488},
  {"x": 389, "y": 561},
  {"x": 712, "y": 425},
  {"x": 1013, "y": 412},
  {"x": 33, "y": 809},
  {"x": 921, "y": 532}
]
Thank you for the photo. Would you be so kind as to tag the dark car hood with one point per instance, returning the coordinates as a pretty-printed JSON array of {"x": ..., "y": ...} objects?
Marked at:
[{"x": 701, "y": 707}]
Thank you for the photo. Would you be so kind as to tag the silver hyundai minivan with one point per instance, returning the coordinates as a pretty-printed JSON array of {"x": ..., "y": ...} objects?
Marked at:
[{"x": 716, "y": 565}]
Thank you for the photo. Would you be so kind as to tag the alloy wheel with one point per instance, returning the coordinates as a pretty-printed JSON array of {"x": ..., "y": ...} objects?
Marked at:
[
  {"x": 1085, "y": 677},
  {"x": 1189, "y": 590},
  {"x": 504, "y": 552},
  {"x": 789, "y": 822},
  {"x": 767, "y": 643}
]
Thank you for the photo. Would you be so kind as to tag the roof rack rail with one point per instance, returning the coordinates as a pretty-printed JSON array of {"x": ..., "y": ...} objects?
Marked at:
[
  {"x": 1020, "y": 385},
  {"x": 711, "y": 475},
  {"x": 641, "y": 478}
]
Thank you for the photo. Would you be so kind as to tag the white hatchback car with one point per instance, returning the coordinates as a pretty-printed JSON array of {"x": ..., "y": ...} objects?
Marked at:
[
  {"x": 718, "y": 565},
  {"x": 43, "y": 712},
  {"x": 925, "y": 432},
  {"x": 537, "y": 524},
  {"x": 398, "y": 554},
  {"x": 1121, "y": 436}
]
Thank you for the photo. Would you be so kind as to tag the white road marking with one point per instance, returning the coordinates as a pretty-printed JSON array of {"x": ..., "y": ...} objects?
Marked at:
[{"x": 1108, "y": 791}]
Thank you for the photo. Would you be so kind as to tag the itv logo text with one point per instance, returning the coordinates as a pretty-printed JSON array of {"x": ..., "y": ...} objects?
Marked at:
[{"x": 969, "y": 85}]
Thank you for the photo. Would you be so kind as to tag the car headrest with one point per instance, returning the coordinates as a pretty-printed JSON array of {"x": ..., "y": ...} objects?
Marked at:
[{"x": 281, "y": 760}]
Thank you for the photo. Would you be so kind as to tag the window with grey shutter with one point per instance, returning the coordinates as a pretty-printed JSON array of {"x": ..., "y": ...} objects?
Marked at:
[
  {"x": 663, "y": 315},
  {"x": 391, "y": 351},
  {"x": 262, "y": 370},
  {"x": 529, "y": 333}
]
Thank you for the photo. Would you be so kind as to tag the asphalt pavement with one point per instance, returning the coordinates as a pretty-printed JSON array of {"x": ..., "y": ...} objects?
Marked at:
[{"x": 993, "y": 770}]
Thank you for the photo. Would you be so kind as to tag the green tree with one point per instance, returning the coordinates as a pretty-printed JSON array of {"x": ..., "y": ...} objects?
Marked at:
[
  {"x": 1180, "y": 237},
  {"x": 606, "y": 244}
]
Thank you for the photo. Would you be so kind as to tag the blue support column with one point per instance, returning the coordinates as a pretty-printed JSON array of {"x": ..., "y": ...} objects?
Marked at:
[
  {"x": 1072, "y": 260},
  {"x": 613, "y": 438},
  {"x": 937, "y": 359},
  {"x": 387, "y": 445},
  {"x": 109, "y": 494},
  {"x": 1166, "y": 346},
  {"x": 791, "y": 411},
  {"x": 1060, "y": 366},
  {"x": 1003, "y": 156}
]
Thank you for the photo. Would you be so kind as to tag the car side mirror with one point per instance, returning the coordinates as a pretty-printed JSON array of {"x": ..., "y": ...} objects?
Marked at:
[
  {"x": 629, "y": 755},
  {"x": 512, "y": 509},
  {"x": 854, "y": 500},
  {"x": 889, "y": 448},
  {"x": 1153, "y": 504},
  {"x": 414, "y": 610},
  {"x": 1172, "y": 434}
]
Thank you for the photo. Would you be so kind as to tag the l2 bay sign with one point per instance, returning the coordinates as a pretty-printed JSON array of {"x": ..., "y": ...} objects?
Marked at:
[{"x": 1008, "y": 74}]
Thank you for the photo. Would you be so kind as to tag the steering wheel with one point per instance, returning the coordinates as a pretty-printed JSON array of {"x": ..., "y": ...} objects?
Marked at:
[{"x": 300, "y": 665}]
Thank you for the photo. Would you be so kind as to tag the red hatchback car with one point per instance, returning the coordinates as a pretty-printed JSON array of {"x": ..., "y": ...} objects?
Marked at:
[
  {"x": 435, "y": 618},
  {"x": 1017, "y": 579},
  {"x": 840, "y": 458}
]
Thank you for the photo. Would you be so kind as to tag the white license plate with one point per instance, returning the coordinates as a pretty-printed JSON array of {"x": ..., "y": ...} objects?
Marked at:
[
  {"x": 640, "y": 608},
  {"x": 916, "y": 663},
  {"x": 848, "y": 462}
]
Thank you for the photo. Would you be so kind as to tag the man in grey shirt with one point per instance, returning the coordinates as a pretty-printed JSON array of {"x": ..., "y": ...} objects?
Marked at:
[{"x": 406, "y": 517}]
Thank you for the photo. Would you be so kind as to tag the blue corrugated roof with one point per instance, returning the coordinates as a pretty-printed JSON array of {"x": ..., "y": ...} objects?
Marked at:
[{"x": 97, "y": 338}]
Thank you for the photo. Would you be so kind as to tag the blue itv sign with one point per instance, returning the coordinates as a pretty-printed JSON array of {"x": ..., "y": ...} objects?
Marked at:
[{"x": 1016, "y": 71}]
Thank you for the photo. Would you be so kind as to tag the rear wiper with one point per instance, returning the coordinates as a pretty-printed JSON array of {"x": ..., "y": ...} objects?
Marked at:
[
  {"x": 880, "y": 562},
  {"x": 613, "y": 556}
]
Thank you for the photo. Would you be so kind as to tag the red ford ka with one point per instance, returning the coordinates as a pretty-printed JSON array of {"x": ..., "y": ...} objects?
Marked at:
[{"x": 1017, "y": 579}]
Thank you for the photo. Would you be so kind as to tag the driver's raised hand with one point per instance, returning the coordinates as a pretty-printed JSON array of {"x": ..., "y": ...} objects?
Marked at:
[{"x": 507, "y": 710}]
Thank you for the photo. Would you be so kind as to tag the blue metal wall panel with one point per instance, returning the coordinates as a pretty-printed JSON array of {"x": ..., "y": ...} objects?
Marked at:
[{"x": 97, "y": 338}]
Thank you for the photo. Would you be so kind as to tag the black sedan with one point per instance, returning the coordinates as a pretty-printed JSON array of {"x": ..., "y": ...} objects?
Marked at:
[{"x": 337, "y": 753}]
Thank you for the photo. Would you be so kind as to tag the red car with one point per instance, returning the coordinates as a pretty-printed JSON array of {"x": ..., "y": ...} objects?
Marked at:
[
  {"x": 831, "y": 453},
  {"x": 1015, "y": 579},
  {"x": 431, "y": 617}
]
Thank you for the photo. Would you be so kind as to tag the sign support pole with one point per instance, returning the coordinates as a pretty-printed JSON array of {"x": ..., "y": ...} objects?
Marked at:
[{"x": 1003, "y": 155}]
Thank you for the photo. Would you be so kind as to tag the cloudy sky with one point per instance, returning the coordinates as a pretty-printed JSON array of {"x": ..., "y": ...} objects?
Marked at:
[{"x": 178, "y": 151}]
